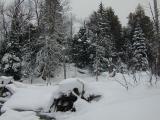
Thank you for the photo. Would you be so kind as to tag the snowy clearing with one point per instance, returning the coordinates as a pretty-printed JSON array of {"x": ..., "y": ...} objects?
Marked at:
[
  {"x": 118, "y": 104},
  {"x": 140, "y": 102}
]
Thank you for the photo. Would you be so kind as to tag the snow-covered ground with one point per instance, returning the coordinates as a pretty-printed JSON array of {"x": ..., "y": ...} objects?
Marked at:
[
  {"x": 38, "y": 98},
  {"x": 14, "y": 115},
  {"x": 139, "y": 102}
]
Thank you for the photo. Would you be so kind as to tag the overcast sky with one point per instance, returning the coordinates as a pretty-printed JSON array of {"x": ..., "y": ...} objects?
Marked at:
[{"x": 83, "y": 8}]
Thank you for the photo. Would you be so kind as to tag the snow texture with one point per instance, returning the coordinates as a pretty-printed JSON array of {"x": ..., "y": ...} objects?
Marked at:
[
  {"x": 140, "y": 102},
  {"x": 5, "y": 80},
  {"x": 14, "y": 115},
  {"x": 31, "y": 99},
  {"x": 39, "y": 98},
  {"x": 69, "y": 84}
]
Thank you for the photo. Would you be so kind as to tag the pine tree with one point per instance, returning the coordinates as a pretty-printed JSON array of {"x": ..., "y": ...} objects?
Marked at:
[{"x": 139, "y": 60}]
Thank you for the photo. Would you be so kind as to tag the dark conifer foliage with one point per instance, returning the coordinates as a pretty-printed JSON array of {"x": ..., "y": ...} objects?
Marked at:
[
  {"x": 139, "y": 61},
  {"x": 147, "y": 26},
  {"x": 80, "y": 48},
  {"x": 104, "y": 33}
]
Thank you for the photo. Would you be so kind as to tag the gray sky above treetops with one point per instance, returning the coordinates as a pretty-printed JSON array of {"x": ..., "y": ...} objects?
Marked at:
[{"x": 83, "y": 8}]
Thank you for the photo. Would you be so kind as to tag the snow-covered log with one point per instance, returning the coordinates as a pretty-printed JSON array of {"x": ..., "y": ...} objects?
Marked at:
[{"x": 61, "y": 97}]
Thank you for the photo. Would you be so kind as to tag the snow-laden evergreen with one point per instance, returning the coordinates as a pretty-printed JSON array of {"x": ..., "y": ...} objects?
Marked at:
[
  {"x": 139, "y": 51},
  {"x": 80, "y": 50}
]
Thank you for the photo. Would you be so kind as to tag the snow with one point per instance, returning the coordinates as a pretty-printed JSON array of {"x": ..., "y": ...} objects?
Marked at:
[
  {"x": 118, "y": 104},
  {"x": 3, "y": 99},
  {"x": 140, "y": 109},
  {"x": 80, "y": 104},
  {"x": 69, "y": 84},
  {"x": 14, "y": 115},
  {"x": 38, "y": 98},
  {"x": 10, "y": 60},
  {"x": 5, "y": 79},
  {"x": 139, "y": 102}
]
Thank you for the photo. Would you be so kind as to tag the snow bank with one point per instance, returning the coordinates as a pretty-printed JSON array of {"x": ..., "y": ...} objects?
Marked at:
[
  {"x": 80, "y": 104},
  {"x": 14, "y": 115},
  {"x": 38, "y": 98},
  {"x": 69, "y": 84},
  {"x": 140, "y": 102},
  {"x": 17, "y": 86},
  {"x": 5, "y": 80},
  {"x": 137, "y": 109}
]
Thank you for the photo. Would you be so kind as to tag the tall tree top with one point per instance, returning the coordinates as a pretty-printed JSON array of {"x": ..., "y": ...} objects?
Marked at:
[
  {"x": 101, "y": 9},
  {"x": 140, "y": 12}
]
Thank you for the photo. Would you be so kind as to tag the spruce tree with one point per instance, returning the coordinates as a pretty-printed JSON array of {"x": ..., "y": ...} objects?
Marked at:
[
  {"x": 139, "y": 60},
  {"x": 102, "y": 40},
  {"x": 80, "y": 48},
  {"x": 146, "y": 25},
  {"x": 116, "y": 29}
]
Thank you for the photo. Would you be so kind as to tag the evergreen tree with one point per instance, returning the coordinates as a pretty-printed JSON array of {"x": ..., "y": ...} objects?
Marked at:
[
  {"x": 116, "y": 29},
  {"x": 144, "y": 22},
  {"x": 146, "y": 25},
  {"x": 139, "y": 60},
  {"x": 102, "y": 40},
  {"x": 127, "y": 46},
  {"x": 80, "y": 48}
]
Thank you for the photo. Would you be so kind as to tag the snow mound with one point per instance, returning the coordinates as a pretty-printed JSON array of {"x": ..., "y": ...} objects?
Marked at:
[
  {"x": 5, "y": 80},
  {"x": 41, "y": 98},
  {"x": 69, "y": 84},
  {"x": 80, "y": 104},
  {"x": 38, "y": 98},
  {"x": 14, "y": 115}
]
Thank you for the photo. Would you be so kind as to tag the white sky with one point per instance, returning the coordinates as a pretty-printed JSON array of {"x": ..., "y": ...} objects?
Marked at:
[{"x": 83, "y": 8}]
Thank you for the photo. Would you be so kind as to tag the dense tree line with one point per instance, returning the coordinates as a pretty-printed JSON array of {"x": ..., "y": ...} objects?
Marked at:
[
  {"x": 34, "y": 36},
  {"x": 102, "y": 44}
]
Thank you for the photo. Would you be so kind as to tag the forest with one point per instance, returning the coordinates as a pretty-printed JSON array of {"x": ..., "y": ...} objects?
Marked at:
[
  {"x": 37, "y": 39},
  {"x": 94, "y": 65}
]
